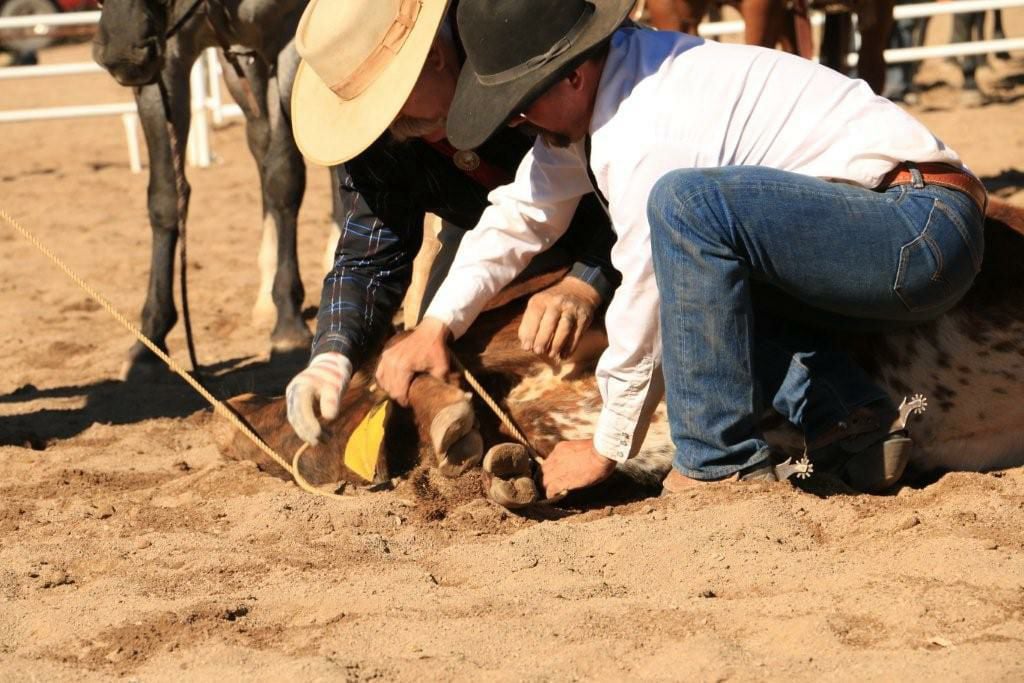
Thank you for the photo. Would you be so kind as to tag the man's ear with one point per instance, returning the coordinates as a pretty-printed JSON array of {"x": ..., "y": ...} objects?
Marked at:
[
  {"x": 435, "y": 58},
  {"x": 576, "y": 78}
]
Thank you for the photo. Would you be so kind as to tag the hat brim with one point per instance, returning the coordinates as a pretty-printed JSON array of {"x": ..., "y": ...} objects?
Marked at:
[
  {"x": 330, "y": 130},
  {"x": 479, "y": 110}
]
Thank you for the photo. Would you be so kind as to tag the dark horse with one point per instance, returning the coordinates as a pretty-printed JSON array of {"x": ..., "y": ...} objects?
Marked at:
[{"x": 150, "y": 46}]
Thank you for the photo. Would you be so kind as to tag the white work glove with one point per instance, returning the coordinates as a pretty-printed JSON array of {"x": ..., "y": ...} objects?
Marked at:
[{"x": 325, "y": 379}]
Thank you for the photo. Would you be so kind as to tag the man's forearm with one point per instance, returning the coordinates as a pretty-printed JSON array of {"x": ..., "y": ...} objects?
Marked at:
[{"x": 357, "y": 306}]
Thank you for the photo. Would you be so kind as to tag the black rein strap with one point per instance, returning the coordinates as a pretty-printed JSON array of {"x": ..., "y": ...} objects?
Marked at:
[{"x": 183, "y": 19}]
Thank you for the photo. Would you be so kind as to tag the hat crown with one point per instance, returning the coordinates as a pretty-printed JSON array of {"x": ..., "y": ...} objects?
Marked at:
[
  {"x": 344, "y": 35},
  {"x": 493, "y": 47}
]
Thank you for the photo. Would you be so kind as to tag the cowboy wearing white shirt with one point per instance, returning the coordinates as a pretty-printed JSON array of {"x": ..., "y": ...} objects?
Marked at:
[{"x": 738, "y": 168}]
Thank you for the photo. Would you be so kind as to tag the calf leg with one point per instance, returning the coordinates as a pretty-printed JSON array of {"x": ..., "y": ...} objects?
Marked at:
[
  {"x": 158, "y": 312},
  {"x": 445, "y": 417}
]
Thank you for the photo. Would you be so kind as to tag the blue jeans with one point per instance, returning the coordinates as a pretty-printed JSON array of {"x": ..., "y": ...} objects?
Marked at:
[{"x": 850, "y": 254}]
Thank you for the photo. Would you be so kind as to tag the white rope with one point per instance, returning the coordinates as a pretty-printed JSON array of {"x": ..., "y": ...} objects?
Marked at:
[{"x": 218, "y": 406}]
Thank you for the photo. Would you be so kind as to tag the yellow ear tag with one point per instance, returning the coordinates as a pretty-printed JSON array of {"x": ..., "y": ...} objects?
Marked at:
[{"x": 365, "y": 446}]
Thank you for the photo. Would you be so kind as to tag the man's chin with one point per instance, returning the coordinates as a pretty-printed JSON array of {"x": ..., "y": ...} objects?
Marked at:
[{"x": 556, "y": 139}]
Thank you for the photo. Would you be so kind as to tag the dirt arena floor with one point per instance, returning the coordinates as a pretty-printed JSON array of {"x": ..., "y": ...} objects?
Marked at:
[{"x": 129, "y": 548}]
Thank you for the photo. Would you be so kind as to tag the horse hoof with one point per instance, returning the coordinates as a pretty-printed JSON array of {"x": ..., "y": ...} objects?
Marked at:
[
  {"x": 295, "y": 339},
  {"x": 145, "y": 369},
  {"x": 464, "y": 454}
]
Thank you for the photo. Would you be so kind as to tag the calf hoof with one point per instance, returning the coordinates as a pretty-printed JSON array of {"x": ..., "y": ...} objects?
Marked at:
[
  {"x": 451, "y": 424},
  {"x": 508, "y": 479},
  {"x": 455, "y": 439},
  {"x": 880, "y": 468},
  {"x": 462, "y": 455}
]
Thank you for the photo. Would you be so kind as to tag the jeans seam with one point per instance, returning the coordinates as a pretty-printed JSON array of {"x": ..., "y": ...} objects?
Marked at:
[
  {"x": 940, "y": 269},
  {"x": 719, "y": 472},
  {"x": 701, "y": 191},
  {"x": 961, "y": 227}
]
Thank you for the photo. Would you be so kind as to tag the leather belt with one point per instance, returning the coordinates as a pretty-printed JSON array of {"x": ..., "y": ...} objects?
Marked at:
[{"x": 943, "y": 175}]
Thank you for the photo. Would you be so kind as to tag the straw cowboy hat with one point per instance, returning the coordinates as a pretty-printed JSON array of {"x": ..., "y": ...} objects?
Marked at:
[
  {"x": 515, "y": 50},
  {"x": 360, "y": 61}
]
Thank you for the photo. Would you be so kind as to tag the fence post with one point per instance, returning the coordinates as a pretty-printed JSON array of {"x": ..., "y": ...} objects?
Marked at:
[
  {"x": 131, "y": 131},
  {"x": 216, "y": 99},
  {"x": 199, "y": 138}
]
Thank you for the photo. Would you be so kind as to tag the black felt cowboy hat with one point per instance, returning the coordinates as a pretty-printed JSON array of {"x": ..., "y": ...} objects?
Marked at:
[{"x": 515, "y": 50}]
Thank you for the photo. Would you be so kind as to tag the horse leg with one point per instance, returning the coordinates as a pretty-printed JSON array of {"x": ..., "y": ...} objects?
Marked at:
[
  {"x": 835, "y": 41},
  {"x": 283, "y": 182},
  {"x": 998, "y": 33},
  {"x": 677, "y": 15},
  {"x": 158, "y": 312},
  {"x": 763, "y": 21},
  {"x": 874, "y": 27},
  {"x": 282, "y": 195}
]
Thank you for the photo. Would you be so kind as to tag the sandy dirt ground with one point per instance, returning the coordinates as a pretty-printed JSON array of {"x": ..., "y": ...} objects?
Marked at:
[{"x": 130, "y": 548}]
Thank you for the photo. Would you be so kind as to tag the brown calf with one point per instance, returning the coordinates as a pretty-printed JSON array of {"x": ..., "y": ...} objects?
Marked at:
[{"x": 969, "y": 362}]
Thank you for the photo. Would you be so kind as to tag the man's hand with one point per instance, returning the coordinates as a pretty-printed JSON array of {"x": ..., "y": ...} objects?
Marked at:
[
  {"x": 574, "y": 465},
  {"x": 325, "y": 379},
  {"x": 425, "y": 350},
  {"x": 557, "y": 317}
]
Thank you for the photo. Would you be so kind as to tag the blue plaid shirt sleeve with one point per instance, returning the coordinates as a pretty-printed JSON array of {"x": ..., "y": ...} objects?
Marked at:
[{"x": 372, "y": 270}]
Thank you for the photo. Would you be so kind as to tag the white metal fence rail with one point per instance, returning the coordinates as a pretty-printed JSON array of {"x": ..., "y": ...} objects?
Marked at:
[
  {"x": 208, "y": 102},
  {"x": 205, "y": 84},
  {"x": 912, "y": 54}
]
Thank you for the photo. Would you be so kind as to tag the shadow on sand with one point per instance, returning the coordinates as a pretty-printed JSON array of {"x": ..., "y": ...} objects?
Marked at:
[{"x": 120, "y": 403}]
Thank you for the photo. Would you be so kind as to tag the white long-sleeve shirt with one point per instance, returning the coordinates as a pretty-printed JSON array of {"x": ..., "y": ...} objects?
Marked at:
[{"x": 668, "y": 101}]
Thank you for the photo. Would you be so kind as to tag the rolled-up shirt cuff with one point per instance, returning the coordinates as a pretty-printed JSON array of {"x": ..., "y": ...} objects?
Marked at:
[
  {"x": 332, "y": 342},
  {"x": 455, "y": 322},
  {"x": 614, "y": 435},
  {"x": 596, "y": 278}
]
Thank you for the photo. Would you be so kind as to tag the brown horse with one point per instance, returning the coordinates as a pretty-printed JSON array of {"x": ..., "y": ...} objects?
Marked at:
[{"x": 770, "y": 23}]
